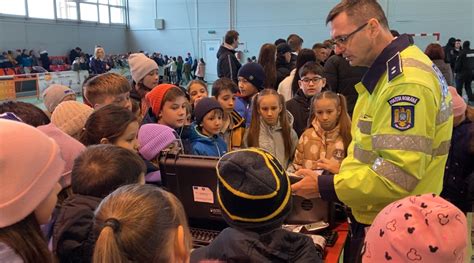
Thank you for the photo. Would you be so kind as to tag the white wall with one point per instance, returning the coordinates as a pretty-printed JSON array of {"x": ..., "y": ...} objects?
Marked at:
[
  {"x": 262, "y": 21},
  {"x": 58, "y": 38}
]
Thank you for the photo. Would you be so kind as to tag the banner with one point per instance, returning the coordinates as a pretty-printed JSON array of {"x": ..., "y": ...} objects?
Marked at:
[{"x": 72, "y": 79}]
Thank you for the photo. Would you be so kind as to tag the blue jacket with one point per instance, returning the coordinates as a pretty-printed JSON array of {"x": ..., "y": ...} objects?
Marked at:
[
  {"x": 244, "y": 107},
  {"x": 208, "y": 146}
]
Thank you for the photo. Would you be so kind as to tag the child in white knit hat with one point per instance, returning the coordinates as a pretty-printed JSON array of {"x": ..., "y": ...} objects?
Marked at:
[{"x": 145, "y": 77}]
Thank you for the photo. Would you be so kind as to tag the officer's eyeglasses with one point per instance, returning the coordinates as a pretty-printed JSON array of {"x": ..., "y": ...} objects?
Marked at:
[
  {"x": 342, "y": 40},
  {"x": 314, "y": 80}
]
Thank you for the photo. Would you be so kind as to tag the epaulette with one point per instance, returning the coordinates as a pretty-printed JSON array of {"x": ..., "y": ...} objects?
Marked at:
[{"x": 394, "y": 67}]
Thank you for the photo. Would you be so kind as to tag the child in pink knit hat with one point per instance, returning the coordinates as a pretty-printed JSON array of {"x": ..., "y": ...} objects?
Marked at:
[
  {"x": 422, "y": 228},
  {"x": 30, "y": 167},
  {"x": 153, "y": 138}
]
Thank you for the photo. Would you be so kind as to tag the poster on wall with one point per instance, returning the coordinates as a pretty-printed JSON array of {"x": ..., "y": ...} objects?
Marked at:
[{"x": 72, "y": 79}]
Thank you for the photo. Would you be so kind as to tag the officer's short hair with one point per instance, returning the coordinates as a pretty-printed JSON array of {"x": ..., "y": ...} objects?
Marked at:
[{"x": 360, "y": 11}]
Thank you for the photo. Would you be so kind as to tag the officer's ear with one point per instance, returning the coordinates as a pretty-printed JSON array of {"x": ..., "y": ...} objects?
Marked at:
[{"x": 374, "y": 27}]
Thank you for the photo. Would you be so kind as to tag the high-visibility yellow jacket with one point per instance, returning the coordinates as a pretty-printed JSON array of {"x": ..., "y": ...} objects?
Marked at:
[{"x": 401, "y": 130}]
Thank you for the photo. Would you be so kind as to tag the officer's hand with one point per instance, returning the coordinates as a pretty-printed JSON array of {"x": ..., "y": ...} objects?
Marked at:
[
  {"x": 330, "y": 165},
  {"x": 308, "y": 186}
]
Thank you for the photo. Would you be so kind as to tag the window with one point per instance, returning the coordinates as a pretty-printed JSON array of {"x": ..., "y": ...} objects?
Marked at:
[
  {"x": 98, "y": 11},
  {"x": 103, "y": 14},
  {"x": 13, "y": 7},
  {"x": 117, "y": 15},
  {"x": 66, "y": 9},
  {"x": 41, "y": 9},
  {"x": 88, "y": 12}
]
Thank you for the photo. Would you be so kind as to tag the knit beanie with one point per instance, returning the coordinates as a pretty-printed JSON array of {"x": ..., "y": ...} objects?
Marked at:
[
  {"x": 71, "y": 116},
  {"x": 204, "y": 106},
  {"x": 253, "y": 72},
  {"x": 156, "y": 95},
  {"x": 30, "y": 167},
  {"x": 153, "y": 138},
  {"x": 422, "y": 228},
  {"x": 459, "y": 105},
  {"x": 54, "y": 94},
  {"x": 253, "y": 190},
  {"x": 70, "y": 150},
  {"x": 140, "y": 66}
]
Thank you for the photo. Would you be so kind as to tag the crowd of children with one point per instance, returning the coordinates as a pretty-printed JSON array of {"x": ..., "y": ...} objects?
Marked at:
[{"x": 76, "y": 187}]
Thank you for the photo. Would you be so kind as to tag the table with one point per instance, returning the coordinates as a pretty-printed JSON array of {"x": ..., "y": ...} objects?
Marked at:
[{"x": 333, "y": 253}]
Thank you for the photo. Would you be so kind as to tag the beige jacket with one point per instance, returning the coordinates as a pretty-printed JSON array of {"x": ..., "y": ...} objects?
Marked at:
[{"x": 316, "y": 143}]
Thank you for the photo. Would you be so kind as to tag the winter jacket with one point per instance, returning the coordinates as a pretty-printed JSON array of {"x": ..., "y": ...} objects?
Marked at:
[
  {"x": 243, "y": 106},
  {"x": 285, "y": 86},
  {"x": 465, "y": 64},
  {"x": 316, "y": 143},
  {"x": 458, "y": 175},
  {"x": 200, "y": 70},
  {"x": 299, "y": 106},
  {"x": 73, "y": 236},
  {"x": 279, "y": 245},
  {"x": 283, "y": 70},
  {"x": 271, "y": 140},
  {"x": 342, "y": 77},
  {"x": 98, "y": 66},
  {"x": 233, "y": 135},
  {"x": 204, "y": 145},
  {"x": 227, "y": 64},
  {"x": 446, "y": 70},
  {"x": 7, "y": 254}
]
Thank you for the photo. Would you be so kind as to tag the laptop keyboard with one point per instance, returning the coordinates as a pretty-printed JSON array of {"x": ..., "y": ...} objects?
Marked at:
[{"x": 202, "y": 237}]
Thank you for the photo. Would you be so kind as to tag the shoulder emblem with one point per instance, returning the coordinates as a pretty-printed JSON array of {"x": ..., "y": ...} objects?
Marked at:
[
  {"x": 403, "y": 111},
  {"x": 394, "y": 67}
]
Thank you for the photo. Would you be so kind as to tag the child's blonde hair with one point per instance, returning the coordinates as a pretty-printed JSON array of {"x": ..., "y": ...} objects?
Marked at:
[
  {"x": 99, "y": 87},
  {"x": 139, "y": 224},
  {"x": 254, "y": 129},
  {"x": 344, "y": 120}
]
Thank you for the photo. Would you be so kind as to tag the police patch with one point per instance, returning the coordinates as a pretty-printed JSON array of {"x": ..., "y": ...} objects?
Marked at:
[{"x": 403, "y": 117}]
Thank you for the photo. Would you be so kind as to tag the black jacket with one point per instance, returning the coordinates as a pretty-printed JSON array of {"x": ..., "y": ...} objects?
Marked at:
[
  {"x": 341, "y": 78},
  {"x": 227, "y": 64},
  {"x": 283, "y": 70},
  {"x": 299, "y": 106},
  {"x": 458, "y": 185},
  {"x": 465, "y": 64},
  {"x": 279, "y": 245},
  {"x": 73, "y": 235}
]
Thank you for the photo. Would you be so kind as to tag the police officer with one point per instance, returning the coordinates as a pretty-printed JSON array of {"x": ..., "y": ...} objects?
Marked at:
[{"x": 401, "y": 125}]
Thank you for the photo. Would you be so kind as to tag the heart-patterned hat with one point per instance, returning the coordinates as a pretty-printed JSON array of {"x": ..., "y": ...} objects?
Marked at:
[{"x": 422, "y": 228}]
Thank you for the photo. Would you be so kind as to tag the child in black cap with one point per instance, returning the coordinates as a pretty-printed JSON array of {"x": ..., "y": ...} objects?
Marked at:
[
  {"x": 255, "y": 197},
  {"x": 205, "y": 131},
  {"x": 251, "y": 77}
]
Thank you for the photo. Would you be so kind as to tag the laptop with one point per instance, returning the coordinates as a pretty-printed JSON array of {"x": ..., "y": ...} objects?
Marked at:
[{"x": 193, "y": 179}]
